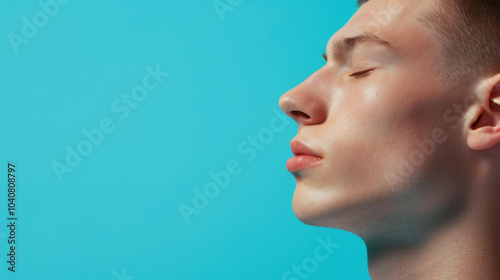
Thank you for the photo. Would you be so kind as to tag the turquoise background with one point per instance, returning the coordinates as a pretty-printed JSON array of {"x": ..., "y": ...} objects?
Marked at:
[{"x": 116, "y": 215}]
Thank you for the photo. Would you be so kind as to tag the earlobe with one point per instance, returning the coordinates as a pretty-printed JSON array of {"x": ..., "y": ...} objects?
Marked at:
[
  {"x": 483, "y": 138},
  {"x": 484, "y": 130}
]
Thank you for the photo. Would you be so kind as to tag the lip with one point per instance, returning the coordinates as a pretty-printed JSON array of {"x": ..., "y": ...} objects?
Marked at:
[{"x": 304, "y": 157}]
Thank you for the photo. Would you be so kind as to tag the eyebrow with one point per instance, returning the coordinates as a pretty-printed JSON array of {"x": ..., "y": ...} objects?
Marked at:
[{"x": 341, "y": 47}]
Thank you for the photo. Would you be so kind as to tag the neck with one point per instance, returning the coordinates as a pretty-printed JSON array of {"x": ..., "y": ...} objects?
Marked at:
[{"x": 467, "y": 247}]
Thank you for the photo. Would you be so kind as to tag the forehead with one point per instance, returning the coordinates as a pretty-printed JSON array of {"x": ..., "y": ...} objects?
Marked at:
[{"x": 396, "y": 21}]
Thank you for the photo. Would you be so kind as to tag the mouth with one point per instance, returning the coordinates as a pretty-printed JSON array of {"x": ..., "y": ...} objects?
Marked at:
[{"x": 304, "y": 157}]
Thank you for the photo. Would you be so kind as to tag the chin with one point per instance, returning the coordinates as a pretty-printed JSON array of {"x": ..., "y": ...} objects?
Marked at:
[
  {"x": 312, "y": 211},
  {"x": 346, "y": 219},
  {"x": 306, "y": 214},
  {"x": 324, "y": 209}
]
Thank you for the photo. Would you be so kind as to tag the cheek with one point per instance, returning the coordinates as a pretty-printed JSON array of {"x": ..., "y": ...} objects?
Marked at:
[
  {"x": 370, "y": 94},
  {"x": 371, "y": 130}
]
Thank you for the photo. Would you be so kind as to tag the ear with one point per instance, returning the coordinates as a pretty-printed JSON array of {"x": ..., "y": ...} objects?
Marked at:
[{"x": 484, "y": 128}]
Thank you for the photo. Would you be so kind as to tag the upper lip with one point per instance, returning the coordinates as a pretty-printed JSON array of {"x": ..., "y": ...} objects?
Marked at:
[{"x": 299, "y": 148}]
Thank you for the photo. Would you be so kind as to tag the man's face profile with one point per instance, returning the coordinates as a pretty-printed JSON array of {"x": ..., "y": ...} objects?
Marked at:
[
  {"x": 393, "y": 137},
  {"x": 377, "y": 93}
]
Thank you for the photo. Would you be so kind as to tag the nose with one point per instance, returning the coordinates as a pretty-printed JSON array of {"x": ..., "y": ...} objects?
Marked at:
[{"x": 307, "y": 104}]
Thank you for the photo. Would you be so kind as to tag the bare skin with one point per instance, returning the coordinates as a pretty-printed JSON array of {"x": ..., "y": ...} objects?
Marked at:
[{"x": 409, "y": 163}]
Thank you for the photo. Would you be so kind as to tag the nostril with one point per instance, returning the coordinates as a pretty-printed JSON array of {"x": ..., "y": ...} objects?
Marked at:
[{"x": 300, "y": 114}]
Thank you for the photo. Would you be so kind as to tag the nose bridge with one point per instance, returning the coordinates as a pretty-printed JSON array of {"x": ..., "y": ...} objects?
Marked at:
[{"x": 307, "y": 103}]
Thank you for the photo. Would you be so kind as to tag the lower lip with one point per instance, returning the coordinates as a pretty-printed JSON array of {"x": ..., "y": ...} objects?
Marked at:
[{"x": 302, "y": 162}]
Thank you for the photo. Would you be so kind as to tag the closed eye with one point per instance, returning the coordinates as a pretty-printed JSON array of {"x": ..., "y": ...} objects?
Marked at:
[
  {"x": 361, "y": 73},
  {"x": 356, "y": 74}
]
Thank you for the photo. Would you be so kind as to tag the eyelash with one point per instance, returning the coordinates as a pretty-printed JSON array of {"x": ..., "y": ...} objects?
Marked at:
[
  {"x": 361, "y": 73},
  {"x": 357, "y": 74}
]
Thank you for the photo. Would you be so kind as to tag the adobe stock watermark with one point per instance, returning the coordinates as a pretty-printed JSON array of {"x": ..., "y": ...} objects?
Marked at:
[
  {"x": 121, "y": 107},
  {"x": 31, "y": 26},
  {"x": 383, "y": 17},
  {"x": 121, "y": 276},
  {"x": 220, "y": 179},
  {"x": 426, "y": 147},
  {"x": 223, "y": 6},
  {"x": 309, "y": 265}
]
